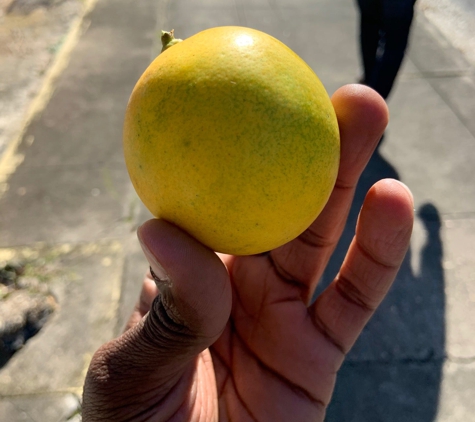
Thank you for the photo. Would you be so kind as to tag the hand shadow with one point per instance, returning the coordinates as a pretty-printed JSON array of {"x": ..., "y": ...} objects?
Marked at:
[{"x": 393, "y": 373}]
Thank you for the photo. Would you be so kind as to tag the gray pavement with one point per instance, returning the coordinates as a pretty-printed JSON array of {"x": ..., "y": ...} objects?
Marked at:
[
  {"x": 70, "y": 200},
  {"x": 455, "y": 20}
]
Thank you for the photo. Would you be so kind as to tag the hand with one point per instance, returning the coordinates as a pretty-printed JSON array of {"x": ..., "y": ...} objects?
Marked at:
[{"x": 236, "y": 338}]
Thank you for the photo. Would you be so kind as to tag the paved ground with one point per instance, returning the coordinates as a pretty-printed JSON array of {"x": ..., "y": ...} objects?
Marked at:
[
  {"x": 455, "y": 20},
  {"x": 31, "y": 34},
  {"x": 67, "y": 201}
]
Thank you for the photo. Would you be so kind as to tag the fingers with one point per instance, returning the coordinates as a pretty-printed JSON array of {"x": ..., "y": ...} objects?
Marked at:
[
  {"x": 372, "y": 262},
  {"x": 362, "y": 117},
  {"x": 188, "y": 316}
]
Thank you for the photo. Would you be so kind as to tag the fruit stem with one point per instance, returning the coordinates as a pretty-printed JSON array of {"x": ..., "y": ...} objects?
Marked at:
[{"x": 168, "y": 40}]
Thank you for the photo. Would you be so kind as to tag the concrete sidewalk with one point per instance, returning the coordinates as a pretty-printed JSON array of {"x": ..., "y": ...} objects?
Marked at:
[{"x": 70, "y": 203}]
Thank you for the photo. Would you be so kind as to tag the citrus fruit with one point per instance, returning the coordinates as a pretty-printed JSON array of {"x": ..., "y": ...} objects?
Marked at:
[{"x": 232, "y": 137}]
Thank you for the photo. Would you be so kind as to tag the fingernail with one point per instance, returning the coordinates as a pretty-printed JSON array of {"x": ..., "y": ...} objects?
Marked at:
[{"x": 159, "y": 275}]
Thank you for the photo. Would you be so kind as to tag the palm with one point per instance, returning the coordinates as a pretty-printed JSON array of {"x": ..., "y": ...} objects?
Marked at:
[{"x": 262, "y": 360}]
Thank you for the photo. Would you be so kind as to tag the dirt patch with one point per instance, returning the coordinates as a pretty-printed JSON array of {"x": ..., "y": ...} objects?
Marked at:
[
  {"x": 31, "y": 33},
  {"x": 26, "y": 304}
]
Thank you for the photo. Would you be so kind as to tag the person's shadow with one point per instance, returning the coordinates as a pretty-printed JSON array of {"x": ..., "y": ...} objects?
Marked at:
[{"x": 393, "y": 373}]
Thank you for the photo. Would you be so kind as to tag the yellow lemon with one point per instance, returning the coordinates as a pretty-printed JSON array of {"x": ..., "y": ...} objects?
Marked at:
[{"x": 232, "y": 137}]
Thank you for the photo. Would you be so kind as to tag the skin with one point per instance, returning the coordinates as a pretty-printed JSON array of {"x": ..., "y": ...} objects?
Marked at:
[{"x": 236, "y": 338}]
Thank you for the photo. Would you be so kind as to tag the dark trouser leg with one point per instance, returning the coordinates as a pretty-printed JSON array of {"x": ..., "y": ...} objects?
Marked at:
[
  {"x": 397, "y": 19},
  {"x": 370, "y": 26}
]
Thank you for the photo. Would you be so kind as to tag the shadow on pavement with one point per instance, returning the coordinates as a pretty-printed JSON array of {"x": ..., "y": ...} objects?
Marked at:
[{"x": 394, "y": 371}]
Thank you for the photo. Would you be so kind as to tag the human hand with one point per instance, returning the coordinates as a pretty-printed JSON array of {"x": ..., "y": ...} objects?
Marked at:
[{"x": 236, "y": 338}]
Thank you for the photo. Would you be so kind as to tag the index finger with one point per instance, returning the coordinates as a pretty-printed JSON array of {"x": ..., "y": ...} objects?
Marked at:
[{"x": 362, "y": 117}]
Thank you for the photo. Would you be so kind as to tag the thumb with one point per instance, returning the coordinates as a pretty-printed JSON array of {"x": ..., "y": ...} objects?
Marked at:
[
  {"x": 187, "y": 316},
  {"x": 194, "y": 302}
]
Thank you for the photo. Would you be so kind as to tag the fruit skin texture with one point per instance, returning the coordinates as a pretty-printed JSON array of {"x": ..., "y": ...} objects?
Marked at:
[{"x": 232, "y": 137}]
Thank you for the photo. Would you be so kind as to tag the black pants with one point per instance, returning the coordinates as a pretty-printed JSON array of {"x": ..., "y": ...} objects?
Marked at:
[{"x": 384, "y": 34}]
